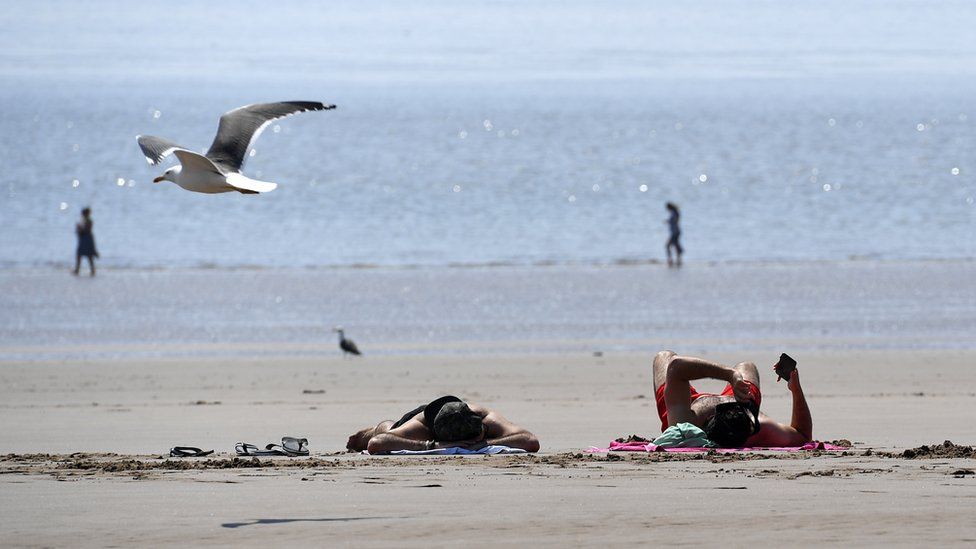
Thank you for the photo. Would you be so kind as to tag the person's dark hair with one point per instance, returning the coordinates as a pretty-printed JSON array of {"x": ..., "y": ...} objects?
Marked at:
[
  {"x": 86, "y": 211},
  {"x": 455, "y": 421},
  {"x": 732, "y": 424},
  {"x": 672, "y": 206}
]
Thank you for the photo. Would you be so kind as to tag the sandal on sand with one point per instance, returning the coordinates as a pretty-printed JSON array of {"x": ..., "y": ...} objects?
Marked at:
[
  {"x": 290, "y": 446},
  {"x": 245, "y": 449},
  {"x": 188, "y": 451},
  {"x": 295, "y": 446}
]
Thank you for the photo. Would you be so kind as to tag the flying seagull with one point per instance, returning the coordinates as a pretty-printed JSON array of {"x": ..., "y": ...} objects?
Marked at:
[
  {"x": 347, "y": 346},
  {"x": 219, "y": 171}
]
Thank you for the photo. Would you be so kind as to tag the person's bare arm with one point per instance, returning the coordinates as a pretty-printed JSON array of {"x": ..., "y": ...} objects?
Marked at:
[
  {"x": 502, "y": 432},
  {"x": 358, "y": 441},
  {"x": 412, "y": 435},
  {"x": 523, "y": 439},
  {"x": 802, "y": 421},
  {"x": 677, "y": 392},
  {"x": 797, "y": 433}
]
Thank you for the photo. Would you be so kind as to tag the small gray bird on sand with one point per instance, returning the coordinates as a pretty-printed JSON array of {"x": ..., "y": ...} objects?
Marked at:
[{"x": 347, "y": 345}]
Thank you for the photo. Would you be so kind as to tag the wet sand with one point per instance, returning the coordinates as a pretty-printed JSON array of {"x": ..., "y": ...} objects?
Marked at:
[
  {"x": 703, "y": 307},
  {"x": 121, "y": 416}
]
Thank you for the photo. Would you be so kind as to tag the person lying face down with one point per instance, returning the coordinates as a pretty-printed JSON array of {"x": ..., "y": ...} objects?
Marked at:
[
  {"x": 447, "y": 422},
  {"x": 730, "y": 419}
]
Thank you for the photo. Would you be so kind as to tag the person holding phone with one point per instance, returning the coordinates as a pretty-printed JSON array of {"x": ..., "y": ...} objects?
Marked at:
[{"x": 731, "y": 418}]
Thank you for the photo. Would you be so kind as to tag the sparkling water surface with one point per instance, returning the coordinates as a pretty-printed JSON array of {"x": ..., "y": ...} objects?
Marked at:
[
  {"x": 499, "y": 179},
  {"x": 496, "y": 134}
]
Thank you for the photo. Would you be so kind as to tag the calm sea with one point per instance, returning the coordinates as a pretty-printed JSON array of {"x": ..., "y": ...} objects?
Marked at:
[{"x": 504, "y": 133}]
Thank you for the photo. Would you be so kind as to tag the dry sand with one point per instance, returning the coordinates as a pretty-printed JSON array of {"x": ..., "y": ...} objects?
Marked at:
[{"x": 120, "y": 416}]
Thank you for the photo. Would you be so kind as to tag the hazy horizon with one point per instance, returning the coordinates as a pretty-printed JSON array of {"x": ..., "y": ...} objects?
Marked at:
[{"x": 393, "y": 43}]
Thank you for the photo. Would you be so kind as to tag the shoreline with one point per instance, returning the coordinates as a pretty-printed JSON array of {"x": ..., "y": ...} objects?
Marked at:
[{"x": 626, "y": 262}]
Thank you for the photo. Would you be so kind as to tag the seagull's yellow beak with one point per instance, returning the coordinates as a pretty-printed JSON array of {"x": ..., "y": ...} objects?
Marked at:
[{"x": 159, "y": 179}]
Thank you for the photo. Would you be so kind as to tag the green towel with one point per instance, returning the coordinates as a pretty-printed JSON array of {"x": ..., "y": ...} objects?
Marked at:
[{"x": 683, "y": 435}]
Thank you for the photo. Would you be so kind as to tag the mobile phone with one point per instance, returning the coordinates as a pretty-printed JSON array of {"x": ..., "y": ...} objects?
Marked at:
[{"x": 785, "y": 366}]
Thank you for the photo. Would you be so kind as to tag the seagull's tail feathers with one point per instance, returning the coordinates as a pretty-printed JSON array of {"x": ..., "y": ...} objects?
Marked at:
[{"x": 246, "y": 185}]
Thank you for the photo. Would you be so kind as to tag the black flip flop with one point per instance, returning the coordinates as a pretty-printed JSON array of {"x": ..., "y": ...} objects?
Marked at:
[{"x": 188, "y": 451}]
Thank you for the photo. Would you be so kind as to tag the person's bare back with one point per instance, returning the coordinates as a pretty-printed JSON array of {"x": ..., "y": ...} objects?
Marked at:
[{"x": 447, "y": 422}]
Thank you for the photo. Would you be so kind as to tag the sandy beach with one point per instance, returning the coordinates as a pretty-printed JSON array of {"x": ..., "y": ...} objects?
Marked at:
[
  {"x": 100, "y": 377},
  {"x": 83, "y": 445}
]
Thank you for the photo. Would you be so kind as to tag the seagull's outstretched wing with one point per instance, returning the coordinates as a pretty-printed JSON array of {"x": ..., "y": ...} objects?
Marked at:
[
  {"x": 240, "y": 127},
  {"x": 156, "y": 148}
]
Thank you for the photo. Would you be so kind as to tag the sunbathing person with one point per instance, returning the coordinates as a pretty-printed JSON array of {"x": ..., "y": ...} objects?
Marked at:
[
  {"x": 447, "y": 422},
  {"x": 732, "y": 418}
]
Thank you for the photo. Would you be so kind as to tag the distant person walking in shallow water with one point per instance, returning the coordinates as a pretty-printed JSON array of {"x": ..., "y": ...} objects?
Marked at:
[
  {"x": 86, "y": 242},
  {"x": 675, "y": 229}
]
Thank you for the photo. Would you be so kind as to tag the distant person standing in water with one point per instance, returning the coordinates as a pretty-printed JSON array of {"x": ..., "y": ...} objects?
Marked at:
[
  {"x": 675, "y": 229},
  {"x": 86, "y": 242}
]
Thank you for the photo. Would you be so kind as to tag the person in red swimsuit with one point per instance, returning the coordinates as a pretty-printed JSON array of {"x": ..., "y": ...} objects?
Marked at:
[{"x": 730, "y": 426}]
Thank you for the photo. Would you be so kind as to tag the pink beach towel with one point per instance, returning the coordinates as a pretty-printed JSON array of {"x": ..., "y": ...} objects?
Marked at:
[{"x": 648, "y": 447}]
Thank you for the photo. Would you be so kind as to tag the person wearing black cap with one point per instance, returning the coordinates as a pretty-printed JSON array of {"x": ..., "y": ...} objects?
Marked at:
[
  {"x": 731, "y": 418},
  {"x": 447, "y": 422}
]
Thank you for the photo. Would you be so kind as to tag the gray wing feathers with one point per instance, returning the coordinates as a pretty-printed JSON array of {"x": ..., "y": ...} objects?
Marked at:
[
  {"x": 156, "y": 148},
  {"x": 193, "y": 161},
  {"x": 240, "y": 127}
]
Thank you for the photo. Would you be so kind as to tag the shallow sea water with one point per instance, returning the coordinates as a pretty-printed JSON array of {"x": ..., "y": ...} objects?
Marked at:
[{"x": 579, "y": 309}]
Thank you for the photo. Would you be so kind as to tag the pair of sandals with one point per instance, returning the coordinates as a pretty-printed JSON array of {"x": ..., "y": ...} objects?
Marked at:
[{"x": 290, "y": 446}]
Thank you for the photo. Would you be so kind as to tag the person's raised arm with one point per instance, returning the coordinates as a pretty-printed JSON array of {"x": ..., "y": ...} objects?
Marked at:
[
  {"x": 677, "y": 392},
  {"x": 797, "y": 433},
  {"x": 687, "y": 368},
  {"x": 802, "y": 421}
]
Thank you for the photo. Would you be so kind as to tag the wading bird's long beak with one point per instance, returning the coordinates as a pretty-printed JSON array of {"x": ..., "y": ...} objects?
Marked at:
[{"x": 159, "y": 179}]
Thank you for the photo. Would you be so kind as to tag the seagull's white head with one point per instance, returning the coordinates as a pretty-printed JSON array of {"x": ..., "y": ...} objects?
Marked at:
[{"x": 169, "y": 175}]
